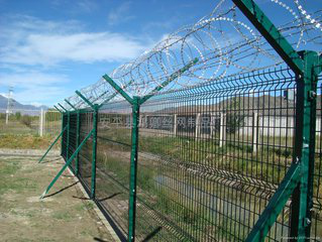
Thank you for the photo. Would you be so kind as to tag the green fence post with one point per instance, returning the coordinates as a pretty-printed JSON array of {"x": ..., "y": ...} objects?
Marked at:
[
  {"x": 94, "y": 151},
  {"x": 62, "y": 136},
  {"x": 77, "y": 141},
  {"x": 133, "y": 166},
  {"x": 67, "y": 138},
  {"x": 62, "y": 125},
  {"x": 302, "y": 64},
  {"x": 136, "y": 102},
  {"x": 304, "y": 147},
  {"x": 95, "y": 108}
]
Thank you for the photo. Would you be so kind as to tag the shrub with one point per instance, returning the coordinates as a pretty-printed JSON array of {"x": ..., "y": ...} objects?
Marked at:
[
  {"x": 234, "y": 122},
  {"x": 26, "y": 120},
  {"x": 18, "y": 115},
  {"x": 234, "y": 119}
]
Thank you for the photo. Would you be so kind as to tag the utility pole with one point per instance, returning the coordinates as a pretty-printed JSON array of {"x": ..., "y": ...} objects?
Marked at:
[{"x": 9, "y": 104}]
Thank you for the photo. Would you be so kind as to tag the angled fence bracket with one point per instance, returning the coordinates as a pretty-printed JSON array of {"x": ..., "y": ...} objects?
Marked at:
[
  {"x": 58, "y": 109},
  {"x": 52, "y": 145},
  {"x": 170, "y": 79},
  {"x": 63, "y": 107},
  {"x": 85, "y": 99},
  {"x": 276, "y": 204},
  {"x": 70, "y": 104},
  {"x": 68, "y": 162},
  {"x": 255, "y": 15},
  {"x": 118, "y": 88},
  {"x": 114, "y": 94}
]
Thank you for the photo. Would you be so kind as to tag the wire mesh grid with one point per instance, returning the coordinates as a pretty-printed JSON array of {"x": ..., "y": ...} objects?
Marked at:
[
  {"x": 316, "y": 231},
  {"x": 20, "y": 122},
  {"x": 113, "y": 161},
  {"x": 211, "y": 157},
  {"x": 72, "y": 138},
  {"x": 64, "y": 137},
  {"x": 85, "y": 154},
  {"x": 52, "y": 122}
]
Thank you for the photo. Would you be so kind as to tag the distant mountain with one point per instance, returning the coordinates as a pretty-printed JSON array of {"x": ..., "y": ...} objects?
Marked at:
[{"x": 18, "y": 106}]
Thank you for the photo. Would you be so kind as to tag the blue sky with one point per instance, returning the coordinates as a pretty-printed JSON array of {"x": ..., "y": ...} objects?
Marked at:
[{"x": 49, "y": 49}]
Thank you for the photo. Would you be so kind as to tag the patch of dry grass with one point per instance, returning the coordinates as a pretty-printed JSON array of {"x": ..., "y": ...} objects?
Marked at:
[{"x": 11, "y": 141}]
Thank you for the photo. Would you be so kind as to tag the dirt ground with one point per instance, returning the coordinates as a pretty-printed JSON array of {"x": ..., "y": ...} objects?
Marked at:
[{"x": 65, "y": 215}]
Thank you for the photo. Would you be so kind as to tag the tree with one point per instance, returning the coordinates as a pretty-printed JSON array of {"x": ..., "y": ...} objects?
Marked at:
[
  {"x": 18, "y": 115},
  {"x": 52, "y": 115},
  {"x": 26, "y": 120},
  {"x": 234, "y": 118}
]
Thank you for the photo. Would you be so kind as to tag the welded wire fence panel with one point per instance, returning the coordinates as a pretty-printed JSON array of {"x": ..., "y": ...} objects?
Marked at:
[
  {"x": 316, "y": 230},
  {"x": 279, "y": 230},
  {"x": 20, "y": 122},
  {"x": 211, "y": 157},
  {"x": 30, "y": 122},
  {"x": 72, "y": 138},
  {"x": 52, "y": 123},
  {"x": 64, "y": 137},
  {"x": 113, "y": 161},
  {"x": 85, "y": 154}
]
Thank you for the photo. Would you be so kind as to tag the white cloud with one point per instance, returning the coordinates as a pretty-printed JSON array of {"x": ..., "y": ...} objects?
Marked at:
[
  {"x": 36, "y": 104},
  {"x": 75, "y": 7},
  {"x": 33, "y": 78},
  {"x": 36, "y": 42},
  {"x": 35, "y": 86},
  {"x": 120, "y": 14},
  {"x": 49, "y": 49},
  {"x": 42, "y": 95},
  {"x": 34, "y": 52},
  {"x": 86, "y": 5}
]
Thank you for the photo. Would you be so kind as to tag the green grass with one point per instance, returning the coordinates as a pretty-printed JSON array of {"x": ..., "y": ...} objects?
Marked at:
[
  {"x": 11, "y": 141},
  {"x": 15, "y": 127},
  {"x": 10, "y": 181},
  {"x": 8, "y": 169},
  {"x": 65, "y": 216},
  {"x": 24, "y": 213}
]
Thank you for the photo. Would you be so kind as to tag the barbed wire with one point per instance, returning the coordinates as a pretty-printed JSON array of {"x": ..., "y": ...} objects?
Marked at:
[{"x": 223, "y": 44}]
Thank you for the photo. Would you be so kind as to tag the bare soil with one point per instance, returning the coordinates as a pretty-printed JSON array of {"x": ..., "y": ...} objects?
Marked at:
[{"x": 65, "y": 215}]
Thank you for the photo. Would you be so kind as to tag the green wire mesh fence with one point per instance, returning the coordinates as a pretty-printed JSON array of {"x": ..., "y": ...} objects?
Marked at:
[
  {"x": 210, "y": 158},
  {"x": 113, "y": 161},
  {"x": 213, "y": 173},
  {"x": 219, "y": 159},
  {"x": 317, "y": 185}
]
